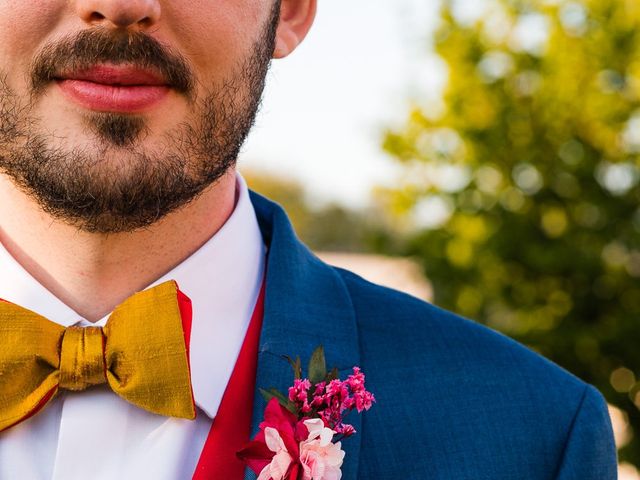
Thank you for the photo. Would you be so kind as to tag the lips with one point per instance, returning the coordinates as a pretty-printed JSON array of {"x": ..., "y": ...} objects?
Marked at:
[{"x": 114, "y": 88}]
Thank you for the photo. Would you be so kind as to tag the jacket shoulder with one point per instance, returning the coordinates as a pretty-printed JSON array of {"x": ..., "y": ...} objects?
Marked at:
[
  {"x": 390, "y": 316},
  {"x": 464, "y": 394}
]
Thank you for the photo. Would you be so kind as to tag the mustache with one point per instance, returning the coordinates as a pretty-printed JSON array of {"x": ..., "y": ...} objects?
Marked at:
[{"x": 88, "y": 48}]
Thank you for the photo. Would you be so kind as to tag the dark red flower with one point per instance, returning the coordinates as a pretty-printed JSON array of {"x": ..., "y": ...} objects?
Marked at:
[{"x": 292, "y": 431}]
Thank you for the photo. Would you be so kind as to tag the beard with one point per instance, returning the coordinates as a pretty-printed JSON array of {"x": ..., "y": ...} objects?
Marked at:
[{"x": 118, "y": 186}]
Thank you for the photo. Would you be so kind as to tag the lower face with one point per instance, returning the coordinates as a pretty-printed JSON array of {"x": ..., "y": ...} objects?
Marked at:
[{"x": 112, "y": 159}]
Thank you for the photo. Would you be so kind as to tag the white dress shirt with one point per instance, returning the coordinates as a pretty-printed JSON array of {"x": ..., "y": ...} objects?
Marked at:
[{"x": 95, "y": 434}]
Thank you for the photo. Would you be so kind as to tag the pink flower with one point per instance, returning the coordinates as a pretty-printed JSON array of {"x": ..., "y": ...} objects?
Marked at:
[
  {"x": 320, "y": 388},
  {"x": 364, "y": 400},
  {"x": 356, "y": 380},
  {"x": 320, "y": 458},
  {"x": 299, "y": 395},
  {"x": 300, "y": 390}
]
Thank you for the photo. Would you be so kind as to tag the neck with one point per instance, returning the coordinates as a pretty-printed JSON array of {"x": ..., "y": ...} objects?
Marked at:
[{"x": 92, "y": 273}]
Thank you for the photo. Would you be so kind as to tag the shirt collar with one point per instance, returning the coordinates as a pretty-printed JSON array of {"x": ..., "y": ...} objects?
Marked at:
[{"x": 222, "y": 278}]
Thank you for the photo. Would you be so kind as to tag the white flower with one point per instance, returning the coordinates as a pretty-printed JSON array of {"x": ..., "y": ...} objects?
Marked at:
[
  {"x": 320, "y": 458},
  {"x": 279, "y": 465}
]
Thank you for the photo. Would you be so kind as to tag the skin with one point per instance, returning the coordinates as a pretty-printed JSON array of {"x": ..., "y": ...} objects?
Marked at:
[{"x": 94, "y": 272}]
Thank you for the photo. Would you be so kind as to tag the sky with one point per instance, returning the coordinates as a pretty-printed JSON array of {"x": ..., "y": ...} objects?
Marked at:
[{"x": 326, "y": 107}]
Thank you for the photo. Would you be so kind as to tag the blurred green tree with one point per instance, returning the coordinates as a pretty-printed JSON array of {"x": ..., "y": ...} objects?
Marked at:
[
  {"x": 524, "y": 183},
  {"x": 322, "y": 227}
]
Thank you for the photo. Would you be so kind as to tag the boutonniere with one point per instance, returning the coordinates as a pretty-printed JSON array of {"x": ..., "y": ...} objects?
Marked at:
[{"x": 300, "y": 436}]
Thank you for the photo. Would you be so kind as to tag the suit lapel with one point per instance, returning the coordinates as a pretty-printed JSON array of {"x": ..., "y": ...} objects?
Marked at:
[{"x": 306, "y": 305}]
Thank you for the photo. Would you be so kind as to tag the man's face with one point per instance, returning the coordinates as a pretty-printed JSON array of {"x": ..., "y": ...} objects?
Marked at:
[{"x": 114, "y": 113}]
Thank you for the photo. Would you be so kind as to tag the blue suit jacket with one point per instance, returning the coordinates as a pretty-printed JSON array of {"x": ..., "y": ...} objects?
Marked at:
[{"x": 455, "y": 400}]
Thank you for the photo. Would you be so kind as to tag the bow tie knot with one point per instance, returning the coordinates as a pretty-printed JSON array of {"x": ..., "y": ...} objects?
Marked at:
[{"x": 82, "y": 358}]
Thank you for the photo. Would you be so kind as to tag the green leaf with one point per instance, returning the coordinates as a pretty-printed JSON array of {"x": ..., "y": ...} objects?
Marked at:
[
  {"x": 272, "y": 393},
  {"x": 317, "y": 366},
  {"x": 296, "y": 366},
  {"x": 333, "y": 375}
]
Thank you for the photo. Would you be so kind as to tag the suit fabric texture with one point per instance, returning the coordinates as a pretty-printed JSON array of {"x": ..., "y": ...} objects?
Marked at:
[{"x": 455, "y": 400}]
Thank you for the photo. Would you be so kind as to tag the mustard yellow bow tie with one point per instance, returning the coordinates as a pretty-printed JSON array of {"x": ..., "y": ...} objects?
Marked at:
[{"x": 141, "y": 352}]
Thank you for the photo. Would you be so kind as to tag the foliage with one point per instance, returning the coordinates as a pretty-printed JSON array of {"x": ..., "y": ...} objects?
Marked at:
[
  {"x": 534, "y": 158},
  {"x": 326, "y": 227}
]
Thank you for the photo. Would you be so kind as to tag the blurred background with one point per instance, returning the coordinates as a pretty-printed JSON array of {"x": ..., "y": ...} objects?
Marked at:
[{"x": 483, "y": 155}]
